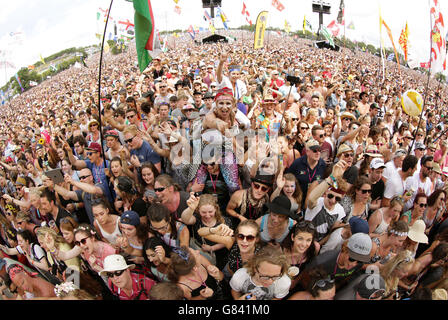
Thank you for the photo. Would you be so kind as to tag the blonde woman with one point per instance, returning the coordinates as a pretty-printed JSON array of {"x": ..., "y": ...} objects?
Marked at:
[
  {"x": 204, "y": 215},
  {"x": 312, "y": 117},
  {"x": 393, "y": 271},
  {"x": 288, "y": 185}
]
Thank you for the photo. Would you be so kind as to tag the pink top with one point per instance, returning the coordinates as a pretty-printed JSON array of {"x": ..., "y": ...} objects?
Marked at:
[{"x": 105, "y": 250}]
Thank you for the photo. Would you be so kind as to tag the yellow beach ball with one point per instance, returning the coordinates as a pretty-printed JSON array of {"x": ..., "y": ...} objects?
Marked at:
[{"x": 412, "y": 103}]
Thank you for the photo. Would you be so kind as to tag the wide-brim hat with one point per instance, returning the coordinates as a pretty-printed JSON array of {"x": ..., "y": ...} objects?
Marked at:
[
  {"x": 372, "y": 151},
  {"x": 115, "y": 262},
  {"x": 343, "y": 148},
  {"x": 417, "y": 232},
  {"x": 347, "y": 115},
  {"x": 265, "y": 179}
]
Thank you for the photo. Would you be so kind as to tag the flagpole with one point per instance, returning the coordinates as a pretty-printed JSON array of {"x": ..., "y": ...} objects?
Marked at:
[
  {"x": 426, "y": 91},
  {"x": 99, "y": 83}
]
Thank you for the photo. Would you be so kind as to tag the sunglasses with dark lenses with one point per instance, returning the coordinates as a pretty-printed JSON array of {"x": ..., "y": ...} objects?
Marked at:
[
  {"x": 129, "y": 140},
  {"x": 349, "y": 155},
  {"x": 83, "y": 177},
  {"x": 259, "y": 186},
  {"x": 331, "y": 196},
  {"x": 83, "y": 241},
  {"x": 160, "y": 189},
  {"x": 115, "y": 273},
  {"x": 366, "y": 191},
  {"x": 352, "y": 260},
  {"x": 317, "y": 150},
  {"x": 428, "y": 168},
  {"x": 423, "y": 205},
  {"x": 249, "y": 238},
  {"x": 302, "y": 128},
  {"x": 321, "y": 136}
]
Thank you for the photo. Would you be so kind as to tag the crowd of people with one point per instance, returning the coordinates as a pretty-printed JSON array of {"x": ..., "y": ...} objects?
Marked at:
[{"x": 223, "y": 172}]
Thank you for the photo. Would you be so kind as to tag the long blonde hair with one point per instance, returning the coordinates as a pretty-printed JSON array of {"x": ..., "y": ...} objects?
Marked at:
[
  {"x": 209, "y": 199},
  {"x": 399, "y": 262}
]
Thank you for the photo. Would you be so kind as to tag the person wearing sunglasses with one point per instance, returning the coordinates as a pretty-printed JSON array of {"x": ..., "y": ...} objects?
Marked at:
[
  {"x": 421, "y": 180},
  {"x": 162, "y": 95},
  {"x": 320, "y": 286},
  {"x": 122, "y": 282},
  {"x": 264, "y": 277},
  {"x": 308, "y": 168},
  {"x": 356, "y": 202},
  {"x": 140, "y": 147},
  {"x": 418, "y": 209},
  {"x": 93, "y": 251}
]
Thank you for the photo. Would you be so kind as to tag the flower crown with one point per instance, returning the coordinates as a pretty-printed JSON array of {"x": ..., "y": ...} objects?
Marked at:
[
  {"x": 399, "y": 234},
  {"x": 64, "y": 289}
]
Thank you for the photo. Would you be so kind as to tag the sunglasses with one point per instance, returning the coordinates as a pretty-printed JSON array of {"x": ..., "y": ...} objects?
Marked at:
[
  {"x": 428, "y": 168},
  {"x": 432, "y": 150},
  {"x": 302, "y": 128},
  {"x": 115, "y": 273},
  {"x": 90, "y": 153},
  {"x": 352, "y": 260},
  {"x": 161, "y": 87},
  {"x": 423, "y": 205},
  {"x": 130, "y": 140},
  {"x": 331, "y": 196},
  {"x": 83, "y": 177},
  {"x": 349, "y": 155},
  {"x": 321, "y": 136},
  {"x": 323, "y": 282},
  {"x": 160, "y": 189},
  {"x": 249, "y": 238},
  {"x": 131, "y": 116},
  {"x": 316, "y": 150},
  {"x": 345, "y": 119},
  {"x": 366, "y": 191},
  {"x": 82, "y": 241},
  {"x": 209, "y": 164},
  {"x": 259, "y": 186}
]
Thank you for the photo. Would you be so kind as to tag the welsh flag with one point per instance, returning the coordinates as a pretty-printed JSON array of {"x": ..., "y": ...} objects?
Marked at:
[{"x": 145, "y": 33}]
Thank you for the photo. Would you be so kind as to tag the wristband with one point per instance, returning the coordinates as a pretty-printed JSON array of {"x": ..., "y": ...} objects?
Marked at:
[{"x": 335, "y": 182}]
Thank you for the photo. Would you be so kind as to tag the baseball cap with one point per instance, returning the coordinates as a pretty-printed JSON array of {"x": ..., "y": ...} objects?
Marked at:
[
  {"x": 419, "y": 145},
  {"x": 95, "y": 146},
  {"x": 209, "y": 95},
  {"x": 130, "y": 217},
  {"x": 377, "y": 163},
  {"x": 359, "y": 247},
  {"x": 367, "y": 290},
  {"x": 312, "y": 145},
  {"x": 400, "y": 153},
  {"x": 358, "y": 225}
]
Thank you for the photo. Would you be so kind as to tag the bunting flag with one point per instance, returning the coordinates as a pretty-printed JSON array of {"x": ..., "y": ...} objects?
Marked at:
[
  {"x": 278, "y": 5},
  {"x": 438, "y": 41},
  {"x": 389, "y": 33},
  {"x": 18, "y": 81},
  {"x": 260, "y": 28},
  {"x": 246, "y": 13},
  {"x": 287, "y": 26},
  {"x": 145, "y": 36},
  {"x": 351, "y": 26},
  {"x": 403, "y": 41},
  {"x": 105, "y": 14},
  {"x": 127, "y": 23},
  {"x": 207, "y": 16},
  {"x": 326, "y": 33},
  {"x": 177, "y": 9},
  {"x": 223, "y": 18}
]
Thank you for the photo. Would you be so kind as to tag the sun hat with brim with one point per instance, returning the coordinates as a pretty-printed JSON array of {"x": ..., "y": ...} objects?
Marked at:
[
  {"x": 372, "y": 151},
  {"x": 359, "y": 247},
  {"x": 312, "y": 145},
  {"x": 345, "y": 115},
  {"x": 92, "y": 122},
  {"x": 280, "y": 205},
  {"x": 439, "y": 294},
  {"x": 436, "y": 168},
  {"x": 417, "y": 232},
  {"x": 343, "y": 148},
  {"x": 115, "y": 262}
]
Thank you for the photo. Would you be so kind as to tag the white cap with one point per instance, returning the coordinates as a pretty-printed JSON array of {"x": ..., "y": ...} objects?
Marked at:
[{"x": 377, "y": 163}]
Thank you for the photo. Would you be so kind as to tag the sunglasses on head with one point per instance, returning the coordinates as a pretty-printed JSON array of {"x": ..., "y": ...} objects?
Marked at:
[
  {"x": 82, "y": 241},
  {"x": 249, "y": 238},
  {"x": 331, "y": 196},
  {"x": 115, "y": 273},
  {"x": 259, "y": 186},
  {"x": 323, "y": 282}
]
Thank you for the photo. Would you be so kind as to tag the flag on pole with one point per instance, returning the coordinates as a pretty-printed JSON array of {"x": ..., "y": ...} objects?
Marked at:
[
  {"x": 41, "y": 59},
  {"x": 223, "y": 18},
  {"x": 246, "y": 13},
  {"x": 260, "y": 28},
  {"x": 389, "y": 33},
  {"x": 212, "y": 28},
  {"x": 438, "y": 41},
  {"x": 18, "y": 81},
  {"x": 390, "y": 57},
  {"x": 177, "y": 1},
  {"x": 278, "y": 5},
  {"x": 403, "y": 41},
  {"x": 326, "y": 33},
  {"x": 287, "y": 26},
  {"x": 351, "y": 26},
  {"x": 334, "y": 27},
  {"x": 127, "y": 23},
  {"x": 177, "y": 9},
  {"x": 191, "y": 32},
  {"x": 145, "y": 37},
  {"x": 207, "y": 16},
  {"x": 341, "y": 14}
]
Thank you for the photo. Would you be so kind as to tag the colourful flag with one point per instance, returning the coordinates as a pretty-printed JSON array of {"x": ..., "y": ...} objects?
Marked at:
[
  {"x": 287, "y": 26},
  {"x": 334, "y": 27},
  {"x": 223, "y": 18},
  {"x": 177, "y": 9},
  {"x": 246, "y": 13},
  {"x": 389, "y": 33},
  {"x": 212, "y": 28},
  {"x": 351, "y": 26},
  {"x": 304, "y": 24},
  {"x": 390, "y": 57},
  {"x": 127, "y": 23},
  {"x": 41, "y": 59},
  {"x": 403, "y": 41},
  {"x": 341, "y": 14},
  {"x": 326, "y": 33},
  {"x": 278, "y": 5},
  {"x": 18, "y": 81},
  {"x": 207, "y": 16},
  {"x": 438, "y": 41},
  {"x": 145, "y": 37},
  {"x": 260, "y": 28},
  {"x": 177, "y": 1}
]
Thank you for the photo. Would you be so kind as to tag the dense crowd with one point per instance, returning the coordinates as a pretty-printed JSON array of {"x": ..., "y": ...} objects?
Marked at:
[{"x": 223, "y": 172}]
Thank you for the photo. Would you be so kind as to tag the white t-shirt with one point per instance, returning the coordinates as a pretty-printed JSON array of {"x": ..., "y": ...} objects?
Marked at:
[
  {"x": 334, "y": 241},
  {"x": 415, "y": 183},
  {"x": 240, "y": 89},
  {"x": 395, "y": 186},
  {"x": 390, "y": 170},
  {"x": 310, "y": 214},
  {"x": 242, "y": 282}
]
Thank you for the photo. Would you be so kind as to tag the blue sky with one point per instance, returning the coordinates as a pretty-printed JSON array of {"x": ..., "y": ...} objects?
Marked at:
[{"x": 48, "y": 26}]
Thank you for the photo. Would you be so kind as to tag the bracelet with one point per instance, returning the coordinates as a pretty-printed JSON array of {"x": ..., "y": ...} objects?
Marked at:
[
  {"x": 53, "y": 250},
  {"x": 210, "y": 230}
]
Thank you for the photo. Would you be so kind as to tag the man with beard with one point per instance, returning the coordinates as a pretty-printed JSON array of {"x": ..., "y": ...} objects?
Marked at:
[{"x": 420, "y": 182}]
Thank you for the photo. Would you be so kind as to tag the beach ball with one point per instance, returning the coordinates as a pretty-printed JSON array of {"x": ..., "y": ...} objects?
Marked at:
[{"x": 412, "y": 103}]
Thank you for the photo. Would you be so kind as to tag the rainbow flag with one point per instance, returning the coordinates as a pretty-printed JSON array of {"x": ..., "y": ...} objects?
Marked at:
[{"x": 18, "y": 81}]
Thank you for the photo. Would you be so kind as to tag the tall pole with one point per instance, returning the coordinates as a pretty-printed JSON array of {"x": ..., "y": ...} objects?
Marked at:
[{"x": 99, "y": 83}]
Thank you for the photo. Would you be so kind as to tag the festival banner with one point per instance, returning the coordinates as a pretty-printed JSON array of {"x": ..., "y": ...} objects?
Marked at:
[
  {"x": 403, "y": 41},
  {"x": 145, "y": 37},
  {"x": 389, "y": 33},
  {"x": 438, "y": 41},
  {"x": 260, "y": 28}
]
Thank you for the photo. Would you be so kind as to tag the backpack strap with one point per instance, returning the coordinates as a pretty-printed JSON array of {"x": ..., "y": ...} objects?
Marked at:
[{"x": 141, "y": 287}]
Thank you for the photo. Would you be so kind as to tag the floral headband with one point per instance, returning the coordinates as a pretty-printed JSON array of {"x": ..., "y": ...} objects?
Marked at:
[
  {"x": 398, "y": 234},
  {"x": 184, "y": 255},
  {"x": 64, "y": 289},
  {"x": 14, "y": 270}
]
